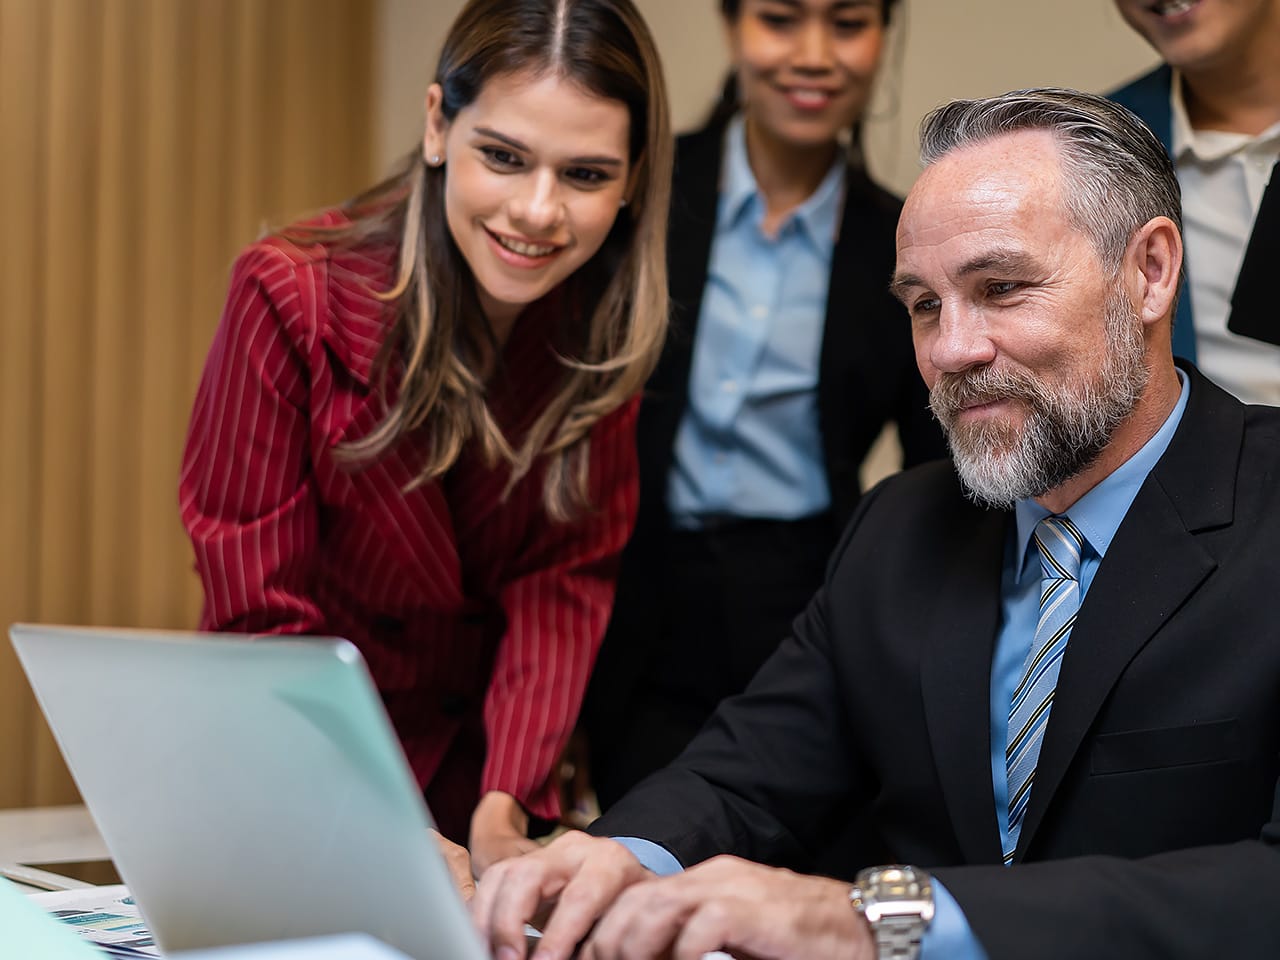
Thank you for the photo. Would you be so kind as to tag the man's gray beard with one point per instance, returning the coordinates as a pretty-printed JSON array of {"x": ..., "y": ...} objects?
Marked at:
[{"x": 1067, "y": 426}]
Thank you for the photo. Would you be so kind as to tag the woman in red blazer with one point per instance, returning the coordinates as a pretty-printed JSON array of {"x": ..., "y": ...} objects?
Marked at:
[{"x": 415, "y": 427}]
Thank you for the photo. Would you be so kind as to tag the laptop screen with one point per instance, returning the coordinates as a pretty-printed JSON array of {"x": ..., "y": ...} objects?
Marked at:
[{"x": 248, "y": 788}]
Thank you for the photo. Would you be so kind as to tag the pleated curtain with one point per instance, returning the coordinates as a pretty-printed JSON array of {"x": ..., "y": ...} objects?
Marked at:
[{"x": 143, "y": 143}]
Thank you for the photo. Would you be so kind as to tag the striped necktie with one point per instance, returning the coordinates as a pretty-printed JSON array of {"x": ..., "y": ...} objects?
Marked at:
[{"x": 1060, "y": 545}]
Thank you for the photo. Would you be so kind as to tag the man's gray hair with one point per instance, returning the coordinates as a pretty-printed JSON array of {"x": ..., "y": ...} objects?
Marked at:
[{"x": 1117, "y": 174}]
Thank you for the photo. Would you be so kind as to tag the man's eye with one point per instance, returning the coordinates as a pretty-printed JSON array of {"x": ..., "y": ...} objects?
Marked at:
[
  {"x": 999, "y": 288},
  {"x": 926, "y": 305},
  {"x": 499, "y": 157}
]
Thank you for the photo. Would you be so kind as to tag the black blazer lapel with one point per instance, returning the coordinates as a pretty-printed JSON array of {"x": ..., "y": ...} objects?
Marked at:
[
  {"x": 1253, "y": 310},
  {"x": 695, "y": 197},
  {"x": 694, "y": 200},
  {"x": 865, "y": 343},
  {"x": 859, "y": 281},
  {"x": 955, "y": 680},
  {"x": 1154, "y": 564}
]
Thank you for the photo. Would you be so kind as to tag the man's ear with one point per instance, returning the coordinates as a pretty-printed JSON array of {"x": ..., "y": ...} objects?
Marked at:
[
  {"x": 437, "y": 127},
  {"x": 1153, "y": 265}
]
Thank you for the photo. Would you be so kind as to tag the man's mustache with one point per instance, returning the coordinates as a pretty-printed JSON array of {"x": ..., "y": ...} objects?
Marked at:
[{"x": 953, "y": 392}]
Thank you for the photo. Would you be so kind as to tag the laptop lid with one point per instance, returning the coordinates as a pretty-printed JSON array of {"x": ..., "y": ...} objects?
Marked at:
[{"x": 248, "y": 789}]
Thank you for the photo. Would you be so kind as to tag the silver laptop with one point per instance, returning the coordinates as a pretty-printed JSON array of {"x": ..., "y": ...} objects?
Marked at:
[{"x": 249, "y": 789}]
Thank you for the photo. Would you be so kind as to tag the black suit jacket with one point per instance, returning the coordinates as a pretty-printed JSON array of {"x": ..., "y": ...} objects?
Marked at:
[{"x": 1154, "y": 825}]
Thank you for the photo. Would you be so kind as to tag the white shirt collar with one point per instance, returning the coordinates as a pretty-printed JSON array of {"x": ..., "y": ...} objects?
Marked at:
[{"x": 1207, "y": 146}]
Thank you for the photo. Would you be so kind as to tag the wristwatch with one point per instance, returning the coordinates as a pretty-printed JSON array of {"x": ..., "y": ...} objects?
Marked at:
[{"x": 897, "y": 902}]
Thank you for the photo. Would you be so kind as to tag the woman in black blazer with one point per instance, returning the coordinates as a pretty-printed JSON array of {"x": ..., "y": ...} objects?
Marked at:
[{"x": 743, "y": 498}]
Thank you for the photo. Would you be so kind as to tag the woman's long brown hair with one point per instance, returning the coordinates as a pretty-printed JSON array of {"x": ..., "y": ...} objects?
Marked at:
[{"x": 617, "y": 300}]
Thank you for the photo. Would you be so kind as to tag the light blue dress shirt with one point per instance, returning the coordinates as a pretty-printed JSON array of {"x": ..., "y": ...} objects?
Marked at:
[
  {"x": 748, "y": 444},
  {"x": 1098, "y": 515}
]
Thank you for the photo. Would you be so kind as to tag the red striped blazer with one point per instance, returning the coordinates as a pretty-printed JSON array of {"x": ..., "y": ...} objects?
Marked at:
[{"x": 479, "y": 617}]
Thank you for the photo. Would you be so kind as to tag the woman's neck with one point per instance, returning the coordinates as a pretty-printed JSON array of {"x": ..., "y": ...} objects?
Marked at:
[
  {"x": 1236, "y": 97},
  {"x": 786, "y": 173},
  {"x": 501, "y": 317},
  {"x": 502, "y": 327}
]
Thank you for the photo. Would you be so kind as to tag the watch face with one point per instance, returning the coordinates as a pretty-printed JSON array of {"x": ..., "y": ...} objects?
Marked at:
[
  {"x": 894, "y": 891},
  {"x": 899, "y": 882}
]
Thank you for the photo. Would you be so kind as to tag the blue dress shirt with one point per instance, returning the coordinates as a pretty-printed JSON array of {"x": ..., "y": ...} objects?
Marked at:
[
  {"x": 1098, "y": 515},
  {"x": 748, "y": 444}
]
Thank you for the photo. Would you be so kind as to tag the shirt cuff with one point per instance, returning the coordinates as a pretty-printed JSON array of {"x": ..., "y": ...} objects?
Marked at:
[
  {"x": 949, "y": 935},
  {"x": 654, "y": 858}
]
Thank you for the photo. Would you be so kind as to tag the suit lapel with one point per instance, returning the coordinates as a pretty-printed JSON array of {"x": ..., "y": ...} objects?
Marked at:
[
  {"x": 846, "y": 286},
  {"x": 1152, "y": 567},
  {"x": 857, "y": 284},
  {"x": 1253, "y": 311},
  {"x": 955, "y": 678},
  {"x": 694, "y": 200},
  {"x": 1148, "y": 97},
  {"x": 1155, "y": 564},
  {"x": 416, "y": 525}
]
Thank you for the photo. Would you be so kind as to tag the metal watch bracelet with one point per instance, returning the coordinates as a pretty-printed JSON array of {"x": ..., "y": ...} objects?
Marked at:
[
  {"x": 897, "y": 903},
  {"x": 898, "y": 938}
]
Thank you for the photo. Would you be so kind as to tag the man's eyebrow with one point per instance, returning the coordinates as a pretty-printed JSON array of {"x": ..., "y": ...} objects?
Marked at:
[
  {"x": 902, "y": 282},
  {"x": 1000, "y": 261},
  {"x": 1014, "y": 262},
  {"x": 604, "y": 160}
]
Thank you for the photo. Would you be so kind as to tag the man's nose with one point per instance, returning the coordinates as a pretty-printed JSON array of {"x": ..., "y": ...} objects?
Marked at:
[
  {"x": 960, "y": 340},
  {"x": 538, "y": 206}
]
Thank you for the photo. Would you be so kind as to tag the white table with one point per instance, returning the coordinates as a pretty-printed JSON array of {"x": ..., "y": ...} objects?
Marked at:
[{"x": 47, "y": 836}]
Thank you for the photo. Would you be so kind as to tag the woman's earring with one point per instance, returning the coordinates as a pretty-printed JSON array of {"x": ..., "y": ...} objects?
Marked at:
[
  {"x": 434, "y": 160},
  {"x": 622, "y": 202}
]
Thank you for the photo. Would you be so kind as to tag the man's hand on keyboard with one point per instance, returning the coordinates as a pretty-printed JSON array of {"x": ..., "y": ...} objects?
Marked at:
[
  {"x": 736, "y": 906},
  {"x": 572, "y": 882}
]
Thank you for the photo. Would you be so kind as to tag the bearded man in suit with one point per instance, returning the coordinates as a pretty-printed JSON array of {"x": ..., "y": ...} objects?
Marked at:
[{"x": 1047, "y": 675}]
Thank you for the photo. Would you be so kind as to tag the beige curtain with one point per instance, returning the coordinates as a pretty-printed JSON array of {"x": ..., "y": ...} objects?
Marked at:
[{"x": 144, "y": 142}]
